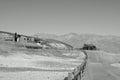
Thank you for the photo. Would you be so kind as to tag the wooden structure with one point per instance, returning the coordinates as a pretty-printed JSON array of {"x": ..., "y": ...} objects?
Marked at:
[{"x": 78, "y": 72}]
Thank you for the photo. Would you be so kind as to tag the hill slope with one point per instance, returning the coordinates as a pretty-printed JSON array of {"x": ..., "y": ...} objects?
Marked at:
[{"x": 44, "y": 43}]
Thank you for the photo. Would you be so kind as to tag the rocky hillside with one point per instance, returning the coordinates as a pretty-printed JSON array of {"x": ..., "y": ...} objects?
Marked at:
[{"x": 106, "y": 43}]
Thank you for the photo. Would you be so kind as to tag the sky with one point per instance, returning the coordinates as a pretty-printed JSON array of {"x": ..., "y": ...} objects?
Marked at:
[{"x": 60, "y": 16}]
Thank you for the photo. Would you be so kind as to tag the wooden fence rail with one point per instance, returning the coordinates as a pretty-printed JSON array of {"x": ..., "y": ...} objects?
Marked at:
[{"x": 78, "y": 72}]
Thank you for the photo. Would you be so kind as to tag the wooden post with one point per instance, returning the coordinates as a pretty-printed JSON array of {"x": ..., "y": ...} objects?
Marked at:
[
  {"x": 78, "y": 78},
  {"x": 80, "y": 75},
  {"x": 75, "y": 71},
  {"x": 70, "y": 76}
]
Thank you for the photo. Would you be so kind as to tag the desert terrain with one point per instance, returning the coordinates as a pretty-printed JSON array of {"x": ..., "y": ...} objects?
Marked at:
[{"x": 18, "y": 63}]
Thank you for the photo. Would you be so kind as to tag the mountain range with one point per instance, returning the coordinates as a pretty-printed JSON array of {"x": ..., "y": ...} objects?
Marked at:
[{"x": 105, "y": 43}]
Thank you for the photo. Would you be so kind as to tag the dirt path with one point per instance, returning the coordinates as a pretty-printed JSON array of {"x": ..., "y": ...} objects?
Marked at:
[{"x": 101, "y": 71}]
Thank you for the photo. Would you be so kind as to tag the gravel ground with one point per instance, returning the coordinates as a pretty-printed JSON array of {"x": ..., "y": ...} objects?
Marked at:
[
  {"x": 20, "y": 66},
  {"x": 33, "y": 75}
]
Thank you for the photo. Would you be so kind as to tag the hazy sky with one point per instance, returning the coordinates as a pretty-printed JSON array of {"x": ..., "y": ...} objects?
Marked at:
[{"x": 60, "y": 16}]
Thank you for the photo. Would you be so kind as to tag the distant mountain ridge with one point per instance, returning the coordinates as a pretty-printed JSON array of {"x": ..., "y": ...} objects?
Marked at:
[{"x": 106, "y": 43}]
